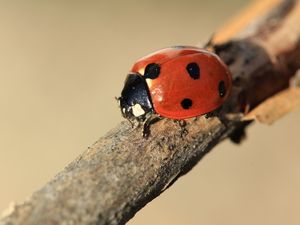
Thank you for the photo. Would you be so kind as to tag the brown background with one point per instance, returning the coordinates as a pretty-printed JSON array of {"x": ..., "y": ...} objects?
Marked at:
[{"x": 61, "y": 65}]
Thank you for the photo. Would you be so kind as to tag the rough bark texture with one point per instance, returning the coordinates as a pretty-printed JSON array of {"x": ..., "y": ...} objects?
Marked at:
[{"x": 122, "y": 172}]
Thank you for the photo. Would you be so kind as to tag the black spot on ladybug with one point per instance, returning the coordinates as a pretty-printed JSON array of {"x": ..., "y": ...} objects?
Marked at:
[
  {"x": 193, "y": 70},
  {"x": 222, "y": 89},
  {"x": 152, "y": 71},
  {"x": 186, "y": 103}
]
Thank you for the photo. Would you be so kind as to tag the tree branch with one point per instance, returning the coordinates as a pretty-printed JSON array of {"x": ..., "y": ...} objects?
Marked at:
[{"x": 121, "y": 172}]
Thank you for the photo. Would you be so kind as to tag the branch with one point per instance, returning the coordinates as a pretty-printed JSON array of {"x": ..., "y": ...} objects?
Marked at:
[{"x": 121, "y": 172}]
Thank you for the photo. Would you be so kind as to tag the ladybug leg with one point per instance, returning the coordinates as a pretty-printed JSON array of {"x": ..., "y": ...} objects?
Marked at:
[
  {"x": 134, "y": 122},
  {"x": 153, "y": 118},
  {"x": 131, "y": 123},
  {"x": 210, "y": 114},
  {"x": 196, "y": 118},
  {"x": 213, "y": 113},
  {"x": 181, "y": 123}
]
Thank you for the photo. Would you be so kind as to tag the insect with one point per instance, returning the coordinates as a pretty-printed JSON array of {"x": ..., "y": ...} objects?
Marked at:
[{"x": 177, "y": 83}]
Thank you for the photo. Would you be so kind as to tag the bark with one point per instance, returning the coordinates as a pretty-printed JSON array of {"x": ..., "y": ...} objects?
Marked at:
[{"x": 121, "y": 172}]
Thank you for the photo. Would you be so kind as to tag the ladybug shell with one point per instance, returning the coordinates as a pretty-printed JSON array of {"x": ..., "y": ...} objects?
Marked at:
[{"x": 188, "y": 81}]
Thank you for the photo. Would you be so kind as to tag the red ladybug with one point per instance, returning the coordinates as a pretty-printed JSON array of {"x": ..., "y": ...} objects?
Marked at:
[{"x": 177, "y": 83}]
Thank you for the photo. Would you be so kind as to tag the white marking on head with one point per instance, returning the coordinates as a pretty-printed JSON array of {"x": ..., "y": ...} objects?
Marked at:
[{"x": 137, "y": 110}]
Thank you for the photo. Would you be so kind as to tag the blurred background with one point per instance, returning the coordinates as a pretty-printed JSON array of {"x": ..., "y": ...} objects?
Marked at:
[{"x": 61, "y": 65}]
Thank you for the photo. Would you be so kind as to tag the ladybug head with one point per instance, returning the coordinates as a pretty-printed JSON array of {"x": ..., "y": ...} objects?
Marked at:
[{"x": 135, "y": 99}]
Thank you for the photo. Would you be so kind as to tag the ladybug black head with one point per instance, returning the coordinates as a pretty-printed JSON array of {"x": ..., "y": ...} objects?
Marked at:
[{"x": 135, "y": 99}]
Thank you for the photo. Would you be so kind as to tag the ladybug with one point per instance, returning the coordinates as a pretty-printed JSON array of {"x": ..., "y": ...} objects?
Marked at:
[{"x": 178, "y": 83}]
